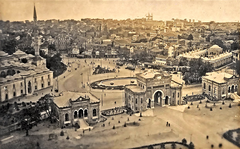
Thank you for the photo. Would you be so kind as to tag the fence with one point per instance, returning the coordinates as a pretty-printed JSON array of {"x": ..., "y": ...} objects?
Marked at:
[
  {"x": 194, "y": 97},
  {"x": 113, "y": 111},
  {"x": 8, "y": 129}
]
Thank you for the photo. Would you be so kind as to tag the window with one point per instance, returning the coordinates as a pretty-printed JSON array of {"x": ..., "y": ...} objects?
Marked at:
[
  {"x": 229, "y": 89},
  {"x": 94, "y": 112},
  {"x": 209, "y": 88},
  {"x": 143, "y": 86},
  {"x": 42, "y": 78},
  {"x": 36, "y": 87},
  {"x": 135, "y": 108},
  {"x": 48, "y": 76},
  {"x": 173, "y": 95},
  {"x": 66, "y": 117},
  {"x": 141, "y": 100},
  {"x": 14, "y": 94},
  {"x": 75, "y": 114},
  {"x": 48, "y": 83},
  {"x": 6, "y": 96},
  {"x": 214, "y": 89},
  {"x": 178, "y": 94},
  {"x": 136, "y": 100},
  {"x": 21, "y": 91},
  {"x": 204, "y": 85},
  {"x": 42, "y": 85},
  {"x": 13, "y": 86},
  {"x": 85, "y": 113},
  {"x": 21, "y": 84},
  {"x": 35, "y": 80}
]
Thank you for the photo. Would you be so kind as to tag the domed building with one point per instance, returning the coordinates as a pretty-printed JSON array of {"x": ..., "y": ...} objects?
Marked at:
[
  {"x": 23, "y": 74},
  {"x": 153, "y": 88}
]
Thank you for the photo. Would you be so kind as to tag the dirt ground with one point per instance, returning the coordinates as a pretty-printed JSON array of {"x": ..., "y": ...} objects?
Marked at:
[{"x": 192, "y": 124}]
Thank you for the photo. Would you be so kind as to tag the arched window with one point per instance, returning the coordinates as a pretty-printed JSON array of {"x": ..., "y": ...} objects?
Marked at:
[
  {"x": 14, "y": 94},
  {"x": 229, "y": 89},
  {"x": 209, "y": 88},
  {"x": 29, "y": 87},
  {"x": 94, "y": 112},
  {"x": 66, "y": 117},
  {"x": 204, "y": 85},
  {"x": 85, "y": 113},
  {"x": 75, "y": 114},
  {"x": 3, "y": 74},
  {"x": 141, "y": 100},
  {"x": 236, "y": 87},
  {"x": 80, "y": 113},
  {"x": 136, "y": 100}
]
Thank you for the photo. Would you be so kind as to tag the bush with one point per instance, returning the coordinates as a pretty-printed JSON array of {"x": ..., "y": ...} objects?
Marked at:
[
  {"x": 67, "y": 138},
  {"x": 191, "y": 103},
  {"x": 134, "y": 123},
  {"x": 230, "y": 106},
  {"x": 61, "y": 133},
  {"x": 212, "y": 146},
  {"x": 188, "y": 107},
  {"x": 207, "y": 137},
  {"x": 125, "y": 125},
  {"x": 184, "y": 141},
  {"x": 89, "y": 129},
  {"x": 210, "y": 109},
  {"x": 220, "y": 145},
  {"x": 223, "y": 102},
  {"x": 200, "y": 102},
  {"x": 103, "y": 125},
  {"x": 113, "y": 126},
  {"x": 191, "y": 145},
  {"x": 220, "y": 108}
]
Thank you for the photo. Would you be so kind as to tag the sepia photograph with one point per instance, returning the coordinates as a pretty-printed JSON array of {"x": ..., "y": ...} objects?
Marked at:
[{"x": 119, "y": 74}]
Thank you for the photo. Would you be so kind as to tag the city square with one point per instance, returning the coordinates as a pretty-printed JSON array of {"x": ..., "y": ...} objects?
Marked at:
[{"x": 134, "y": 83}]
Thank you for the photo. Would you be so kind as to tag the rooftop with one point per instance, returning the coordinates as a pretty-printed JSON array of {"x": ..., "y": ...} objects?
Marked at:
[
  {"x": 136, "y": 89},
  {"x": 218, "y": 77},
  {"x": 63, "y": 100}
]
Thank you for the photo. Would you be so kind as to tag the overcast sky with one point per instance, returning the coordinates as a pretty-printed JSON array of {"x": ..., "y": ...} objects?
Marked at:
[{"x": 204, "y": 10}]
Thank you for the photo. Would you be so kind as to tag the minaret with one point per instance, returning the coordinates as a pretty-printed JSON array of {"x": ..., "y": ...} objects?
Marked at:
[
  {"x": 36, "y": 40},
  {"x": 34, "y": 15}
]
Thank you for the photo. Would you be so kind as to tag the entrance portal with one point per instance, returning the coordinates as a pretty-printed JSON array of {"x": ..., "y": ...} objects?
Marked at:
[
  {"x": 149, "y": 103},
  {"x": 166, "y": 100},
  {"x": 158, "y": 97}
]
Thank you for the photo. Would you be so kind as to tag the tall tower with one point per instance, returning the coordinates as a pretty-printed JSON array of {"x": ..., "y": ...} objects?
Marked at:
[{"x": 35, "y": 33}]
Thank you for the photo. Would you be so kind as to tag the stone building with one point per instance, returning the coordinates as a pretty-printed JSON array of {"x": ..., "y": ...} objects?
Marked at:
[
  {"x": 153, "y": 88},
  {"x": 71, "y": 108},
  {"x": 220, "y": 85},
  {"x": 23, "y": 74}
]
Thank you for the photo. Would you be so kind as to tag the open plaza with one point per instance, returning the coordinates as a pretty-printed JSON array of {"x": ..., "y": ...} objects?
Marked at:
[{"x": 193, "y": 121}]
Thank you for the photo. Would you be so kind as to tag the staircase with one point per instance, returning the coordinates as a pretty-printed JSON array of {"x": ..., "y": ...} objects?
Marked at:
[
  {"x": 235, "y": 97},
  {"x": 84, "y": 125}
]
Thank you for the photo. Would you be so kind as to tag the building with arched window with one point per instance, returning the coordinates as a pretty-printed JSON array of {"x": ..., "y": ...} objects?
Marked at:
[
  {"x": 220, "y": 85},
  {"x": 71, "y": 108},
  {"x": 153, "y": 88},
  {"x": 23, "y": 74}
]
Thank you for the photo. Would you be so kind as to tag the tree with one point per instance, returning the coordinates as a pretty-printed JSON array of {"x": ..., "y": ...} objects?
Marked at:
[
  {"x": 183, "y": 61},
  {"x": 9, "y": 46},
  {"x": 191, "y": 145},
  {"x": 238, "y": 66},
  {"x": 219, "y": 43},
  {"x": 190, "y": 37},
  {"x": 184, "y": 141}
]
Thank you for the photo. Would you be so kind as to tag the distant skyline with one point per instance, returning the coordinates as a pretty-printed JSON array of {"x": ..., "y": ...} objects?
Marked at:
[{"x": 203, "y": 10}]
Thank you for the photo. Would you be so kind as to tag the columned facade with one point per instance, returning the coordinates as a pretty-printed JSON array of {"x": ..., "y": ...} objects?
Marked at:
[{"x": 153, "y": 89}]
